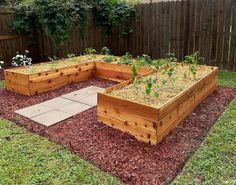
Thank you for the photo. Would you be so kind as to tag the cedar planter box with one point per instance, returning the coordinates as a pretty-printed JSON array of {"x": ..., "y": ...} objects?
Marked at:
[
  {"x": 150, "y": 124},
  {"x": 37, "y": 83},
  {"x": 32, "y": 84}
]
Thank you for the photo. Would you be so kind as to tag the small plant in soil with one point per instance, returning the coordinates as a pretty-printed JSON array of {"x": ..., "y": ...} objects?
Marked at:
[
  {"x": 135, "y": 68},
  {"x": 151, "y": 82},
  {"x": 144, "y": 60},
  {"x": 170, "y": 59},
  {"x": 21, "y": 59},
  {"x": 105, "y": 51},
  {"x": 72, "y": 55},
  {"x": 156, "y": 64},
  {"x": 170, "y": 73},
  {"x": 109, "y": 59},
  {"x": 126, "y": 59},
  {"x": 54, "y": 58},
  {"x": 91, "y": 52},
  {"x": 192, "y": 61}
]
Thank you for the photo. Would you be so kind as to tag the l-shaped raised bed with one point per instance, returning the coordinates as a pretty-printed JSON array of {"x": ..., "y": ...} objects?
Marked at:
[{"x": 124, "y": 106}]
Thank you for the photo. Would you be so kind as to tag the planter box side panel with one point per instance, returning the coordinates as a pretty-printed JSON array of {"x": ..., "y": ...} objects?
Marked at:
[
  {"x": 129, "y": 117},
  {"x": 115, "y": 71},
  {"x": 54, "y": 81},
  {"x": 185, "y": 106},
  {"x": 18, "y": 83}
]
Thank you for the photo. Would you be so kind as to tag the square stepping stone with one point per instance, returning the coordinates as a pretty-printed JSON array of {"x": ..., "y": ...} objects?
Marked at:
[
  {"x": 74, "y": 108},
  {"x": 90, "y": 100},
  {"x": 50, "y": 118},
  {"x": 77, "y": 95},
  {"x": 94, "y": 89},
  {"x": 32, "y": 111},
  {"x": 56, "y": 102},
  {"x": 83, "y": 93}
]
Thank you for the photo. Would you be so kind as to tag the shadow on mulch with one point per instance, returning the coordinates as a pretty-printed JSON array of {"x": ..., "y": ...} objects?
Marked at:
[{"x": 118, "y": 153}]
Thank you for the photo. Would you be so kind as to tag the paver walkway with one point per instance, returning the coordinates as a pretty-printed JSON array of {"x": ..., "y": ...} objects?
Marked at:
[{"x": 58, "y": 109}]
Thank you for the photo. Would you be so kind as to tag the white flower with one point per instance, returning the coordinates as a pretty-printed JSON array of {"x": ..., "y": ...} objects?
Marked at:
[{"x": 1, "y": 62}]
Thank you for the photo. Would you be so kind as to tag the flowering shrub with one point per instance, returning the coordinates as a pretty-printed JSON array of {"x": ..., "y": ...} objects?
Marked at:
[
  {"x": 21, "y": 59},
  {"x": 1, "y": 63}
]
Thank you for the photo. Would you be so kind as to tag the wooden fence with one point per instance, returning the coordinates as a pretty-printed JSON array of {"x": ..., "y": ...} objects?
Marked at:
[
  {"x": 179, "y": 27},
  {"x": 182, "y": 27},
  {"x": 40, "y": 46}
]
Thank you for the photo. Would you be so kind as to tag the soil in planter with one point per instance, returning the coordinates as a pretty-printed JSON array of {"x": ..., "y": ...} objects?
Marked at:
[
  {"x": 165, "y": 88},
  {"x": 59, "y": 64},
  {"x": 113, "y": 151}
]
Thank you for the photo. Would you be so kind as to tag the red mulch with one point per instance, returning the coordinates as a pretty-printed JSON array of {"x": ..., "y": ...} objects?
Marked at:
[{"x": 118, "y": 153}]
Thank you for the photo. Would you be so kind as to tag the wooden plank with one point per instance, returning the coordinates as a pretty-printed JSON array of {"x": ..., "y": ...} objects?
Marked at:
[
  {"x": 138, "y": 110},
  {"x": 60, "y": 81}
]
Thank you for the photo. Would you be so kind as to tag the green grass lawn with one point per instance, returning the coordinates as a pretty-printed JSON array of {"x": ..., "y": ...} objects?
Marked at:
[
  {"x": 1, "y": 84},
  {"x": 215, "y": 161},
  {"x": 227, "y": 79},
  {"x": 26, "y": 158}
]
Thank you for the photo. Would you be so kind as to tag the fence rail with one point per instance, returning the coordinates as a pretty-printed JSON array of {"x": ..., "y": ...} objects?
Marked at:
[{"x": 179, "y": 27}]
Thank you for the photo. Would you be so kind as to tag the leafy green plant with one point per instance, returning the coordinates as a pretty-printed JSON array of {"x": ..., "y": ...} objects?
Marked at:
[
  {"x": 105, "y": 51},
  {"x": 126, "y": 59},
  {"x": 111, "y": 13},
  {"x": 156, "y": 64},
  {"x": 150, "y": 82},
  {"x": 90, "y": 51},
  {"x": 170, "y": 72},
  {"x": 192, "y": 61},
  {"x": 170, "y": 60},
  {"x": 57, "y": 18},
  {"x": 135, "y": 68},
  {"x": 144, "y": 60},
  {"x": 109, "y": 59}
]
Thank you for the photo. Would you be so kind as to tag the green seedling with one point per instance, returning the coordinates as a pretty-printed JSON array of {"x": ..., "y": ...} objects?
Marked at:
[
  {"x": 152, "y": 81},
  {"x": 70, "y": 55},
  {"x": 105, "y": 51},
  {"x": 91, "y": 52},
  {"x": 144, "y": 60},
  {"x": 126, "y": 59},
  {"x": 192, "y": 61},
  {"x": 135, "y": 68},
  {"x": 109, "y": 59}
]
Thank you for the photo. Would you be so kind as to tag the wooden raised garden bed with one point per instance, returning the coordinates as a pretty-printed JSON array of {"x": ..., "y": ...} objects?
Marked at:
[
  {"x": 45, "y": 77},
  {"x": 147, "y": 118},
  {"x": 148, "y": 123}
]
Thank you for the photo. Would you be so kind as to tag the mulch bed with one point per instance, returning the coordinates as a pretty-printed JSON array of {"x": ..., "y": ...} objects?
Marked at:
[{"x": 118, "y": 153}]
